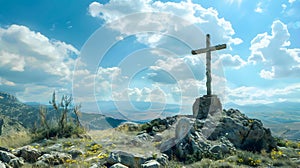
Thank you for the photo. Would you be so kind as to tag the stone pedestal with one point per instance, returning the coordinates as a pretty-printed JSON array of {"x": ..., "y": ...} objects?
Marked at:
[{"x": 206, "y": 104}]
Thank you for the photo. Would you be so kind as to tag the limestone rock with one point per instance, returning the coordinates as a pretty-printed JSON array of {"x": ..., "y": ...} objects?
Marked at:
[
  {"x": 6, "y": 156},
  {"x": 151, "y": 164},
  {"x": 16, "y": 162},
  {"x": 244, "y": 133},
  {"x": 75, "y": 153},
  {"x": 126, "y": 158},
  {"x": 54, "y": 158},
  {"x": 29, "y": 153},
  {"x": 118, "y": 165},
  {"x": 2, "y": 165}
]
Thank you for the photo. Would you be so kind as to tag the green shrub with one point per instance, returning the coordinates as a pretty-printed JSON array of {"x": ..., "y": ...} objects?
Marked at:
[{"x": 66, "y": 125}]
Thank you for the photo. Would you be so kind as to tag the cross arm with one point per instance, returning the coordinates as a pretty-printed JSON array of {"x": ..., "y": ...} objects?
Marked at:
[{"x": 213, "y": 48}]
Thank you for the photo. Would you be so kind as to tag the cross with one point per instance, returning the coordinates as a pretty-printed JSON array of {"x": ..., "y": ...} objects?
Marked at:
[{"x": 207, "y": 50}]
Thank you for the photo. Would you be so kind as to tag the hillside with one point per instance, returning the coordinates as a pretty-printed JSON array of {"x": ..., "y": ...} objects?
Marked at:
[{"x": 11, "y": 107}]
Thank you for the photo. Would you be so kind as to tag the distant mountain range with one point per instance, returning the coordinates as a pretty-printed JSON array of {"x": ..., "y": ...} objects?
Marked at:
[{"x": 283, "y": 118}]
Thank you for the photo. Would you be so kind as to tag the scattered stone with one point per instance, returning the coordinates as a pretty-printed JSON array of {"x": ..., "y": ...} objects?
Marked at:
[
  {"x": 151, "y": 164},
  {"x": 126, "y": 158},
  {"x": 16, "y": 162},
  {"x": 163, "y": 160},
  {"x": 157, "y": 137},
  {"x": 75, "y": 153},
  {"x": 118, "y": 165},
  {"x": 28, "y": 153},
  {"x": 56, "y": 147},
  {"x": 6, "y": 156},
  {"x": 2, "y": 165},
  {"x": 54, "y": 158}
]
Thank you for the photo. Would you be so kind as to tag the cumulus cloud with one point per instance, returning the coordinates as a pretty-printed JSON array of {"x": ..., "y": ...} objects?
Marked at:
[
  {"x": 235, "y": 61},
  {"x": 257, "y": 95},
  {"x": 208, "y": 19},
  {"x": 28, "y": 56},
  {"x": 272, "y": 51}
]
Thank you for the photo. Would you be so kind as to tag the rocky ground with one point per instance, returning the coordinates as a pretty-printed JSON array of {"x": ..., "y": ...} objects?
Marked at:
[{"x": 229, "y": 140}]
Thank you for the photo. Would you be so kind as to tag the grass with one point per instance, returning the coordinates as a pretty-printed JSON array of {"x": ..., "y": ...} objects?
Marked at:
[{"x": 14, "y": 140}]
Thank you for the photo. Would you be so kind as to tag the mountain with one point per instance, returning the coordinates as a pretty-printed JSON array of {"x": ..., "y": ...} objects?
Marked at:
[
  {"x": 27, "y": 114},
  {"x": 11, "y": 107}
]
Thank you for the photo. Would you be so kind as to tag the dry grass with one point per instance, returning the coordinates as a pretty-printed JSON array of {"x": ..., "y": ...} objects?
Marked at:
[{"x": 15, "y": 140}]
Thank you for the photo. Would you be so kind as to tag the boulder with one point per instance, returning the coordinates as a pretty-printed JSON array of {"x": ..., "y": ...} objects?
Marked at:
[
  {"x": 75, "y": 153},
  {"x": 16, "y": 162},
  {"x": 2, "y": 165},
  {"x": 151, "y": 164},
  {"x": 244, "y": 133},
  {"x": 28, "y": 153},
  {"x": 54, "y": 158},
  {"x": 6, "y": 156},
  {"x": 126, "y": 158}
]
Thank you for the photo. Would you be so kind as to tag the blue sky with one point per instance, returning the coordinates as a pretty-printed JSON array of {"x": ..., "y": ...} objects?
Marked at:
[{"x": 139, "y": 50}]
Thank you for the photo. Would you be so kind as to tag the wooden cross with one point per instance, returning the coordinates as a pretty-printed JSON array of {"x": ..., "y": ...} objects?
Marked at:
[{"x": 207, "y": 50}]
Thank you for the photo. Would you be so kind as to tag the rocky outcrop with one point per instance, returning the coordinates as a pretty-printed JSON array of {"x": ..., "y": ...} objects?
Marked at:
[
  {"x": 243, "y": 132},
  {"x": 214, "y": 136}
]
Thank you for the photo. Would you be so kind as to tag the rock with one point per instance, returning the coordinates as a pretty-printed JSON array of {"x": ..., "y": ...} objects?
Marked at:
[
  {"x": 144, "y": 137},
  {"x": 41, "y": 164},
  {"x": 2, "y": 165},
  {"x": 118, "y": 165},
  {"x": 6, "y": 156},
  {"x": 16, "y": 162},
  {"x": 151, "y": 164},
  {"x": 208, "y": 104},
  {"x": 28, "y": 153},
  {"x": 126, "y": 158},
  {"x": 1, "y": 124},
  {"x": 157, "y": 137},
  {"x": 163, "y": 160},
  {"x": 75, "y": 153},
  {"x": 56, "y": 147},
  {"x": 130, "y": 126},
  {"x": 183, "y": 126},
  {"x": 244, "y": 133},
  {"x": 54, "y": 158}
]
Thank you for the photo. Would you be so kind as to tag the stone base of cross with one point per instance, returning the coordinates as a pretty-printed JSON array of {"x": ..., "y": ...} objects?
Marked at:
[{"x": 207, "y": 104}]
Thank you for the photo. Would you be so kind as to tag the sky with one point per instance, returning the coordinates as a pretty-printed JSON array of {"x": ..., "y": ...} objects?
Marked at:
[{"x": 140, "y": 50}]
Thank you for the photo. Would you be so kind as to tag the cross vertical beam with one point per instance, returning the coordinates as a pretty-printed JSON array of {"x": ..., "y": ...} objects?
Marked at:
[
  {"x": 208, "y": 66},
  {"x": 208, "y": 50}
]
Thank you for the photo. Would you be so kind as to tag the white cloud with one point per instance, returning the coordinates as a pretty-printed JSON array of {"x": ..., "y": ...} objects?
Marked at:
[
  {"x": 272, "y": 52},
  {"x": 258, "y": 8},
  {"x": 159, "y": 21},
  {"x": 30, "y": 57},
  {"x": 255, "y": 95},
  {"x": 291, "y": 1},
  {"x": 235, "y": 61},
  {"x": 267, "y": 74},
  {"x": 6, "y": 82}
]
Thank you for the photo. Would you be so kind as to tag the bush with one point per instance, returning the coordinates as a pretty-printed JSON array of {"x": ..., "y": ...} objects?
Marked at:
[{"x": 66, "y": 125}]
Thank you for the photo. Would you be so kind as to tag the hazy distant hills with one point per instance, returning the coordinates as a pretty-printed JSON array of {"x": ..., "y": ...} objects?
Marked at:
[
  {"x": 27, "y": 114},
  {"x": 283, "y": 118}
]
